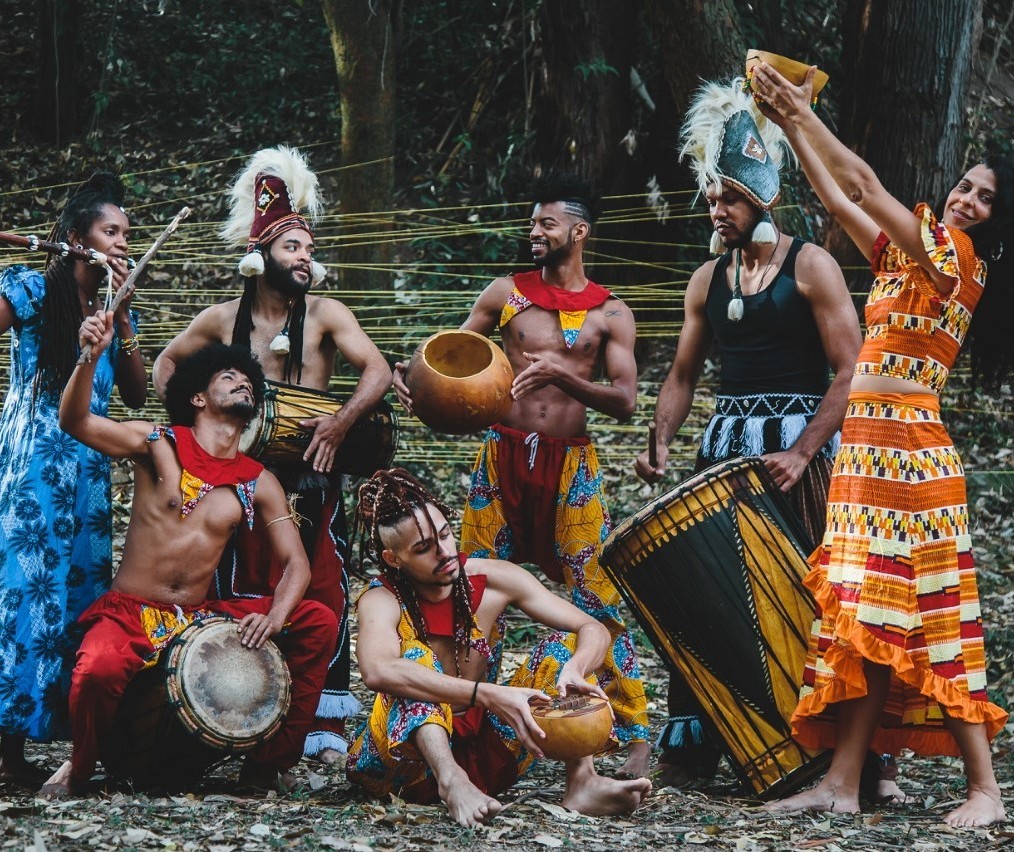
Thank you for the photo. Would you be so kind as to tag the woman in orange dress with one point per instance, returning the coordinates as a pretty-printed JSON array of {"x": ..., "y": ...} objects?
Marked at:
[{"x": 896, "y": 656}]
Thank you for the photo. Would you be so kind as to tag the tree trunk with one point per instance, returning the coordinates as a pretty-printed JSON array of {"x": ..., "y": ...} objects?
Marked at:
[
  {"x": 907, "y": 65},
  {"x": 56, "y": 118},
  {"x": 363, "y": 41},
  {"x": 583, "y": 110},
  {"x": 702, "y": 41}
]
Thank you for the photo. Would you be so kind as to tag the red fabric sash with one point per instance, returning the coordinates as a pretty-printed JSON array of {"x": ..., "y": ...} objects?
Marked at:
[
  {"x": 439, "y": 615},
  {"x": 543, "y": 295},
  {"x": 211, "y": 469}
]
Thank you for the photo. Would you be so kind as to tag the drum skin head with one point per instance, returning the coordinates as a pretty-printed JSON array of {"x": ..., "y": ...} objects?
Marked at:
[{"x": 234, "y": 692}]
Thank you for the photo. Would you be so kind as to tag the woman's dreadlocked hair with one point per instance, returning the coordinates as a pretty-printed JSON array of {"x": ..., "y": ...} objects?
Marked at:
[
  {"x": 385, "y": 499},
  {"x": 60, "y": 316}
]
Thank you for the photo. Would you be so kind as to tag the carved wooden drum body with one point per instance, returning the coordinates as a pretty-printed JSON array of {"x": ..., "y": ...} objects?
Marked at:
[
  {"x": 713, "y": 572},
  {"x": 274, "y": 434},
  {"x": 209, "y": 698}
]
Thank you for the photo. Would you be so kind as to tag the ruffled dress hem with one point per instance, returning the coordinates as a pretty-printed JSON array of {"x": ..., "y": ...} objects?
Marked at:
[{"x": 853, "y": 644}]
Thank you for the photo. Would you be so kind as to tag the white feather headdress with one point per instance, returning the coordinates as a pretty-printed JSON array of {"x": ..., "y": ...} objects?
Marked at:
[
  {"x": 249, "y": 225},
  {"x": 703, "y": 132}
]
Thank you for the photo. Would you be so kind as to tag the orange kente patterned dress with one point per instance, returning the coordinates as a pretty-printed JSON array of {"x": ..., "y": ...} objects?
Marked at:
[{"x": 894, "y": 577}]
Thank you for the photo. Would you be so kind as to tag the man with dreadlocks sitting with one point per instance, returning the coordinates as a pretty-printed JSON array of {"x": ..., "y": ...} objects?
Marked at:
[
  {"x": 296, "y": 337},
  {"x": 192, "y": 488},
  {"x": 430, "y": 640}
]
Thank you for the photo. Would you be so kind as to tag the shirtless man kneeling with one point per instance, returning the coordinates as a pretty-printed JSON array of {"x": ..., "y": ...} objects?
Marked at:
[
  {"x": 430, "y": 642},
  {"x": 180, "y": 522}
]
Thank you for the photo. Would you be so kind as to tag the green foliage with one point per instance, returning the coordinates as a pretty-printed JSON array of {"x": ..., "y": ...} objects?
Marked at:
[
  {"x": 597, "y": 66},
  {"x": 264, "y": 68}
]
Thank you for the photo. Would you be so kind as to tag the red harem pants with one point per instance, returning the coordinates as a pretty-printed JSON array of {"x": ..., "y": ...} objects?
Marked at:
[{"x": 116, "y": 647}]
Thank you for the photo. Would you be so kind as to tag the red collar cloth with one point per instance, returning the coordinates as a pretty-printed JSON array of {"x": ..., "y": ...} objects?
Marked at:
[
  {"x": 212, "y": 469},
  {"x": 439, "y": 615},
  {"x": 539, "y": 293}
]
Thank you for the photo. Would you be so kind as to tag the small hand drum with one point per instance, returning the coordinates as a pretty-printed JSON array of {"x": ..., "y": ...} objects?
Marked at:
[
  {"x": 231, "y": 697},
  {"x": 208, "y": 698},
  {"x": 575, "y": 727},
  {"x": 460, "y": 382}
]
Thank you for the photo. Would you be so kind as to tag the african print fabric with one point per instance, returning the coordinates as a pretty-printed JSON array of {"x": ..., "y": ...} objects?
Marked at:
[
  {"x": 581, "y": 523},
  {"x": 203, "y": 472},
  {"x": 55, "y": 527},
  {"x": 895, "y": 583},
  {"x": 572, "y": 306},
  {"x": 912, "y": 331},
  {"x": 758, "y": 423},
  {"x": 383, "y": 759}
]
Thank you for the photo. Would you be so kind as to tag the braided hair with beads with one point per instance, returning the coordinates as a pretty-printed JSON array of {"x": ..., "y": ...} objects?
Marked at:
[{"x": 386, "y": 499}]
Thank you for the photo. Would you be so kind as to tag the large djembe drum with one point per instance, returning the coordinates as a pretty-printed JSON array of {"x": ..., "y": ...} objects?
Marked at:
[
  {"x": 209, "y": 699},
  {"x": 713, "y": 572}
]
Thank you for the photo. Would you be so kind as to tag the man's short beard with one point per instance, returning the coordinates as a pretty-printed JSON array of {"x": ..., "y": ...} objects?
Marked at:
[
  {"x": 243, "y": 409},
  {"x": 283, "y": 280},
  {"x": 747, "y": 238},
  {"x": 554, "y": 257}
]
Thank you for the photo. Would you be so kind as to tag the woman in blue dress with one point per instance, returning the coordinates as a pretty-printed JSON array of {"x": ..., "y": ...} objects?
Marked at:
[{"x": 55, "y": 512}]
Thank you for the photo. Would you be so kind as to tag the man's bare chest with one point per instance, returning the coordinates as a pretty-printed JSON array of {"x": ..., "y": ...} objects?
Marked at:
[
  {"x": 541, "y": 331},
  {"x": 309, "y": 357}
]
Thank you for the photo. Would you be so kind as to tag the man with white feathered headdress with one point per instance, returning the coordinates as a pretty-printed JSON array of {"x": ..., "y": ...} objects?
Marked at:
[
  {"x": 274, "y": 203},
  {"x": 781, "y": 319}
]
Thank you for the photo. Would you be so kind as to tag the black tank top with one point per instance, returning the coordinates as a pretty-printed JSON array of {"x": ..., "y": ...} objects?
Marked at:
[{"x": 775, "y": 348}]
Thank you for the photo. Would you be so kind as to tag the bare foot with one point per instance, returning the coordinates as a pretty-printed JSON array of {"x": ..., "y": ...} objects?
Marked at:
[
  {"x": 673, "y": 775},
  {"x": 59, "y": 785},
  {"x": 467, "y": 804},
  {"x": 823, "y": 797},
  {"x": 981, "y": 808},
  {"x": 636, "y": 764},
  {"x": 687, "y": 766},
  {"x": 329, "y": 756},
  {"x": 594, "y": 795}
]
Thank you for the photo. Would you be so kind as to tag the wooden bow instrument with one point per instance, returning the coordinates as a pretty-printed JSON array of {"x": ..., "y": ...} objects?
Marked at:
[
  {"x": 63, "y": 249},
  {"x": 130, "y": 285}
]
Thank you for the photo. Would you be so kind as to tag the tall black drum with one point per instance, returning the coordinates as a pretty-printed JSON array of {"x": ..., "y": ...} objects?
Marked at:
[{"x": 713, "y": 572}]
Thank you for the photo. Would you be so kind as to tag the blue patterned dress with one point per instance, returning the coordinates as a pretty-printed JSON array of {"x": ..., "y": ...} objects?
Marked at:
[{"x": 55, "y": 528}]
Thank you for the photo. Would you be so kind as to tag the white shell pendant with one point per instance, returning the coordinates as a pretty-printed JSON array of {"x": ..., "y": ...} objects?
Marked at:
[{"x": 281, "y": 342}]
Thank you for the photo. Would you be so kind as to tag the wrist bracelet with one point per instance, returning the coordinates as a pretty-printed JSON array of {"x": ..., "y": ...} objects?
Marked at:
[
  {"x": 475, "y": 691},
  {"x": 129, "y": 345}
]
